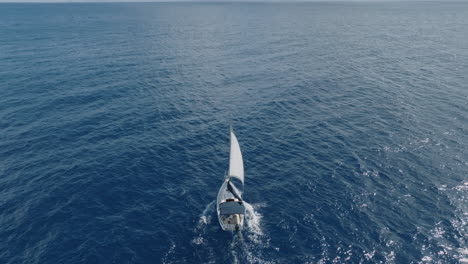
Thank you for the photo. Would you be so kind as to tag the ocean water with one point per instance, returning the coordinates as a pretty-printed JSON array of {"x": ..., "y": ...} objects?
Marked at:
[{"x": 352, "y": 118}]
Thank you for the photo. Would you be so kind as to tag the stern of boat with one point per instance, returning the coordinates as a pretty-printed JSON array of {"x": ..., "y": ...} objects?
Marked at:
[{"x": 234, "y": 222}]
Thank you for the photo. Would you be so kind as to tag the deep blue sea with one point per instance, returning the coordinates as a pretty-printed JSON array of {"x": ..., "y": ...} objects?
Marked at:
[{"x": 352, "y": 119}]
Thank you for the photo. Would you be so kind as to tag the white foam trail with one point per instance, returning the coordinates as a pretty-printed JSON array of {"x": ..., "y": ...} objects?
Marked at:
[
  {"x": 205, "y": 219},
  {"x": 243, "y": 251},
  {"x": 458, "y": 196},
  {"x": 168, "y": 253},
  {"x": 232, "y": 247},
  {"x": 253, "y": 221},
  {"x": 246, "y": 246}
]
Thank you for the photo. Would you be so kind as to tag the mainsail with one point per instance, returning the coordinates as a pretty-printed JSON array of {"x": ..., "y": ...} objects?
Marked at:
[{"x": 236, "y": 165}]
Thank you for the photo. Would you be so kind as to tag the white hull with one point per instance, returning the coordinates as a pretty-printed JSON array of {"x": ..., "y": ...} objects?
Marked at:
[
  {"x": 229, "y": 222},
  {"x": 229, "y": 205}
]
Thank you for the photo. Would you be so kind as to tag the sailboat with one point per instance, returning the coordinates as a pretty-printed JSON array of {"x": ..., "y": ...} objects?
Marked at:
[{"x": 229, "y": 204}]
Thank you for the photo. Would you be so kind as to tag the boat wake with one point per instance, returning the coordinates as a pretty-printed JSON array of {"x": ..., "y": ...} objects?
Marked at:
[
  {"x": 250, "y": 244},
  {"x": 205, "y": 218},
  {"x": 247, "y": 246},
  {"x": 458, "y": 196},
  {"x": 253, "y": 219},
  {"x": 202, "y": 242},
  {"x": 203, "y": 221}
]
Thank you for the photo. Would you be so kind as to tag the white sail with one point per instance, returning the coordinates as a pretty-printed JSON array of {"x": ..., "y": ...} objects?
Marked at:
[{"x": 236, "y": 165}]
